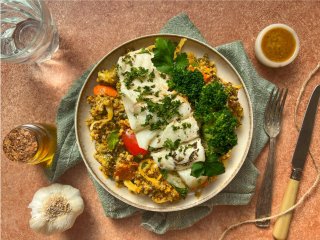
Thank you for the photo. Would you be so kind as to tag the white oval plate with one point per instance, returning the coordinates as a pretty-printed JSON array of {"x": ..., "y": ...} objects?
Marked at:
[{"x": 87, "y": 148}]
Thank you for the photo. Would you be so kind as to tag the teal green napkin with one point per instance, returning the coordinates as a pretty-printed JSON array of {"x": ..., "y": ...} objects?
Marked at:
[{"x": 238, "y": 192}]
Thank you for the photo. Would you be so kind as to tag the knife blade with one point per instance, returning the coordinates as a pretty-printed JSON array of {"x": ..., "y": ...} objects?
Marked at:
[
  {"x": 281, "y": 227},
  {"x": 305, "y": 136}
]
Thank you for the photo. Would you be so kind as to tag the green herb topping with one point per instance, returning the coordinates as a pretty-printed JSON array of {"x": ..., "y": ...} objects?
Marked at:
[
  {"x": 163, "y": 110},
  {"x": 139, "y": 73},
  {"x": 113, "y": 139},
  {"x": 169, "y": 144},
  {"x": 163, "y": 58}
]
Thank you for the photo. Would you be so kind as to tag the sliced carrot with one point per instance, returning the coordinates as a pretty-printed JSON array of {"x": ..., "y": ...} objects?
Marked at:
[
  {"x": 105, "y": 90},
  {"x": 206, "y": 77}
]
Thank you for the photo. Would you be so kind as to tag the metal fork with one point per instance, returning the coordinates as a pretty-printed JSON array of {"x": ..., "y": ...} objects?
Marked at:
[{"x": 272, "y": 126}]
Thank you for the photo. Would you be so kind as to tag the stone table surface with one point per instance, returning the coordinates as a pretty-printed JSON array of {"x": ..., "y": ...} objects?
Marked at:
[{"x": 90, "y": 29}]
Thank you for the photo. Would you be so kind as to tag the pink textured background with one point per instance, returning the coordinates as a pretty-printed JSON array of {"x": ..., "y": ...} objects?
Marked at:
[{"x": 88, "y": 30}]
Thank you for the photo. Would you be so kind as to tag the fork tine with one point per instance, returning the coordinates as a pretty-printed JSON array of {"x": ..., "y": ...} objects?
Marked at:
[
  {"x": 269, "y": 104},
  {"x": 283, "y": 100},
  {"x": 277, "y": 107},
  {"x": 269, "y": 99},
  {"x": 273, "y": 110}
]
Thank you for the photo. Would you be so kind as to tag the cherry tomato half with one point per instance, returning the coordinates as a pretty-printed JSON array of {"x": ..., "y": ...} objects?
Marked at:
[{"x": 131, "y": 144}]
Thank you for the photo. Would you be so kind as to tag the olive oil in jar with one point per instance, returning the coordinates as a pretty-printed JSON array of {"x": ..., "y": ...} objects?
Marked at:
[{"x": 31, "y": 143}]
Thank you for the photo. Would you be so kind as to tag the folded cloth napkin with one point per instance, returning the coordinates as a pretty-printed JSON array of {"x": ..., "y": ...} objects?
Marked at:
[{"x": 238, "y": 192}]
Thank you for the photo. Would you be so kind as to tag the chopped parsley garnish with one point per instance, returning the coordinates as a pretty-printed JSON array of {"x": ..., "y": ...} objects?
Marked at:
[
  {"x": 175, "y": 128},
  {"x": 163, "y": 110},
  {"x": 186, "y": 125},
  {"x": 169, "y": 144},
  {"x": 139, "y": 73},
  {"x": 128, "y": 59},
  {"x": 151, "y": 76},
  {"x": 145, "y": 91},
  {"x": 164, "y": 76}
]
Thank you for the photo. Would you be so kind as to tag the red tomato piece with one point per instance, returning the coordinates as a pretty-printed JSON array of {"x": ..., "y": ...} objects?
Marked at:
[{"x": 131, "y": 144}]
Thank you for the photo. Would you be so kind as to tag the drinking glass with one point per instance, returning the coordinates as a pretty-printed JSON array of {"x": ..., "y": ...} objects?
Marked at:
[{"x": 28, "y": 32}]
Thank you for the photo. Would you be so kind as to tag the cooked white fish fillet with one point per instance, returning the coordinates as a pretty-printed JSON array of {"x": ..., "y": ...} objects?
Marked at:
[
  {"x": 190, "y": 181},
  {"x": 145, "y": 136},
  {"x": 180, "y": 158},
  {"x": 155, "y": 85},
  {"x": 144, "y": 61},
  {"x": 183, "y": 130},
  {"x": 137, "y": 117}
]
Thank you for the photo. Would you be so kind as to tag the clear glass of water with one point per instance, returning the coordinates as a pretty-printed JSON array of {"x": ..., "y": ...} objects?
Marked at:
[{"x": 28, "y": 32}]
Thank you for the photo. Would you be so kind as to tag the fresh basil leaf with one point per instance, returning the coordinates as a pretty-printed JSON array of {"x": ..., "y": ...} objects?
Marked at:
[{"x": 113, "y": 139}]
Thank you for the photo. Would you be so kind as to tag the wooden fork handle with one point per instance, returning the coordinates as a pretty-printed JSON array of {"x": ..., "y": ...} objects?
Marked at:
[{"x": 281, "y": 227}]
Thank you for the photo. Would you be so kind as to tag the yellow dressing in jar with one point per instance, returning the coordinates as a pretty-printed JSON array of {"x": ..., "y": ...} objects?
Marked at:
[{"x": 278, "y": 44}]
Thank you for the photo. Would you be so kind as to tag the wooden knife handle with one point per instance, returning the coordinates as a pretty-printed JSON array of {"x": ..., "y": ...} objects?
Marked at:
[{"x": 281, "y": 227}]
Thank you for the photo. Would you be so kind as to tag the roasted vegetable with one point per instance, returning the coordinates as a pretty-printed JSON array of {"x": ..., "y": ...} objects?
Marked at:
[
  {"x": 131, "y": 144},
  {"x": 104, "y": 90},
  {"x": 108, "y": 77}
]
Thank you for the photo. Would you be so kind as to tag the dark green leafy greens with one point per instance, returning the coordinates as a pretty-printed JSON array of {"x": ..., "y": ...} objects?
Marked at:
[
  {"x": 113, "y": 139},
  {"x": 187, "y": 83},
  {"x": 209, "y": 102},
  {"x": 211, "y": 167},
  {"x": 163, "y": 58},
  {"x": 182, "y": 191},
  {"x": 212, "y": 98},
  {"x": 219, "y": 132}
]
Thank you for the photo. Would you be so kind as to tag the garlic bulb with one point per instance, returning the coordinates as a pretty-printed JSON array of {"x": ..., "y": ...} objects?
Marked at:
[{"x": 55, "y": 208}]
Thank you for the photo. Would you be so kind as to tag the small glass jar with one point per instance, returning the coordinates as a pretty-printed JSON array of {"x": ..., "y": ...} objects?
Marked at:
[{"x": 31, "y": 143}]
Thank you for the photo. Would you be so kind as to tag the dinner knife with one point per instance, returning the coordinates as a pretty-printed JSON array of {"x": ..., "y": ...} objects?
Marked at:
[{"x": 281, "y": 227}]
